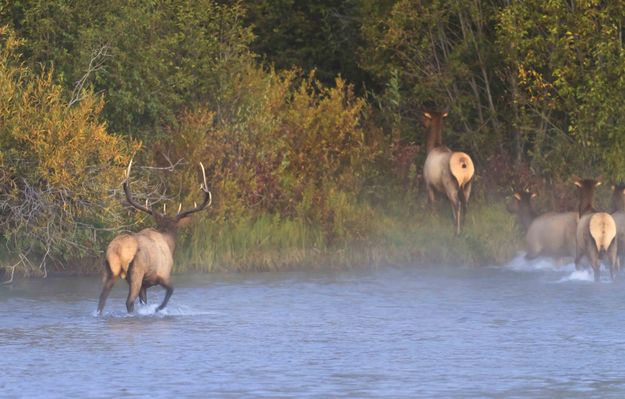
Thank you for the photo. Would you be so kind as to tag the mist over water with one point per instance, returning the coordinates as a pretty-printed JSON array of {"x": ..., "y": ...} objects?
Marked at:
[{"x": 527, "y": 329}]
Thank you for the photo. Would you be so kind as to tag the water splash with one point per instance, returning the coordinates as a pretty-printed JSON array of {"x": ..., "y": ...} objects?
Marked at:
[
  {"x": 579, "y": 275},
  {"x": 519, "y": 263},
  {"x": 149, "y": 311},
  {"x": 566, "y": 271}
]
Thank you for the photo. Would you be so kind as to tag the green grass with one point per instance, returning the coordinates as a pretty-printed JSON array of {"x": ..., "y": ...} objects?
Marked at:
[{"x": 270, "y": 243}]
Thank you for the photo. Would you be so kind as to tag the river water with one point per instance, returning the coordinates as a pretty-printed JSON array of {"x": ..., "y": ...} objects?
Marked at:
[{"x": 518, "y": 331}]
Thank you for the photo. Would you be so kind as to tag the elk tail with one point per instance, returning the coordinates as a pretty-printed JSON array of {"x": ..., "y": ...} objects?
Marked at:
[{"x": 461, "y": 167}]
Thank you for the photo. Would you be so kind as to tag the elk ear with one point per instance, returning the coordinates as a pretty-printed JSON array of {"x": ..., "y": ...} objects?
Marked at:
[
  {"x": 427, "y": 115},
  {"x": 184, "y": 222},
  {"x": 577, "y": 180},
  {"x": 599, "y": 180},
  {"x": 517, "y": 196}
]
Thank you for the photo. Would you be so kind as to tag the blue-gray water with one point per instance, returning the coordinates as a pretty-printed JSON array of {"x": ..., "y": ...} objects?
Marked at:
[{"x": 518, "y": 331}]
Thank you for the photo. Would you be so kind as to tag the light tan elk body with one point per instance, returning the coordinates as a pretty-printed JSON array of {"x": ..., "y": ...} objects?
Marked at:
[
  {"x": 554, "y": 234},
  {"x": 596, "y": 234},
  {"x": 446, "y": 171},
  {"x": 618, "y": 207},
  {"x": 146, "y": 258}
]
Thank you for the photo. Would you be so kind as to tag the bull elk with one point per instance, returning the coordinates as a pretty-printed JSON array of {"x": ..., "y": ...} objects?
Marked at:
[
  {"x": 446, "y": 171},
  {"x": 146, "y": 258}
]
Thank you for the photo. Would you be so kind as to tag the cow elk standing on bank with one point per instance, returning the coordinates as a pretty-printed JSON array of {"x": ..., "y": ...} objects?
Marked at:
[
  {"x": 146, "y": 258},
  {"x": 596, "y": 234},
  {"x": 446, "y": 171}
]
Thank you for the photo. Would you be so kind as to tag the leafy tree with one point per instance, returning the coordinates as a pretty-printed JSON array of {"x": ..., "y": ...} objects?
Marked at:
[
  {"x": 442, "y": 55},
  {"x": 151, "y": 60},
  {"x": 569, "y": 61},
  {"x": 313, "y": 35}
]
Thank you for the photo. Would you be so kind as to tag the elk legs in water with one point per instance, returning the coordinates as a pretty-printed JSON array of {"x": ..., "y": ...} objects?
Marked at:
[{"x": 143, "y": 295}]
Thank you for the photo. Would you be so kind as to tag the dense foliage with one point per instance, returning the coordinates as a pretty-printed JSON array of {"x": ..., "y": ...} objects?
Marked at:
[
  {"x": 57, "y": 164},
  {"x": 306, "y": 113}
]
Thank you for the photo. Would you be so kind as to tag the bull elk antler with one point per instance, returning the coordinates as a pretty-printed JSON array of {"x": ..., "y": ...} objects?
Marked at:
[
  {"x": 131, "y": 201},
  {"x": 207, "y": 200}
]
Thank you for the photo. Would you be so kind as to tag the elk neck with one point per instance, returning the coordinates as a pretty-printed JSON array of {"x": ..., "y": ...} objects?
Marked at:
[
  {"x": 586, "y": 206},
  {"x": 586, "y": 197},
  {"x": 169, "y": 234},
  {"x": 435, "y": 132}
]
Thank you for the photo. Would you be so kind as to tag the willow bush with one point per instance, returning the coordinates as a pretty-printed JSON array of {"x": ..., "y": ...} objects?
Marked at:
[
  {"x": 292, "y": 151},
  {"x": 58, "y": 167}
]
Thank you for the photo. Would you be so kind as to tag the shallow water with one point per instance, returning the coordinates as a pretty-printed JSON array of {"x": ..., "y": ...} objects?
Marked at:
[{"x": 524, "y": 330}]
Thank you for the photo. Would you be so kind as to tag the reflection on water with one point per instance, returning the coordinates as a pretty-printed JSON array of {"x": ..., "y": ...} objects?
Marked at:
[{"x": 529, "y": 329}]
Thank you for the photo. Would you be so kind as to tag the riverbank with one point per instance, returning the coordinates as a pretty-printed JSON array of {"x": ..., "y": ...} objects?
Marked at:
[{"x": 490, "y": 237}]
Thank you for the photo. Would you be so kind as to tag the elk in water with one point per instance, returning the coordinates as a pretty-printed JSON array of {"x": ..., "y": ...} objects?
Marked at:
[
  {"x": 554, "y": 234},
  {"x": 146, "y": 258},
  {"x": 596, "y": 234},
  {"x": 523, "y": 207},
  {"x": 618, "y": 208},
  {"x": 446, "y": 171}
]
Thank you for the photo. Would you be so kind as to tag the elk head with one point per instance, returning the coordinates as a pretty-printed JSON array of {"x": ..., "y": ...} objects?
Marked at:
[
  {"x": 586, "y": 193},
  {"x": 522, "y": 206}
]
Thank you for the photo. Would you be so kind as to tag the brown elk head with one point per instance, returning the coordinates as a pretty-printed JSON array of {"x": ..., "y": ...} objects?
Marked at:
[
  {"x": 433, "y": 122},
  {"x": 618, "y": 197},
  {"x": 523, "y": 206},
  {"x": 164, "y": 222},
  {"x": 586, "y": 193}
]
